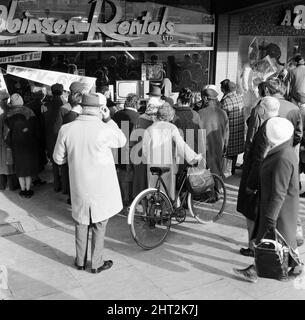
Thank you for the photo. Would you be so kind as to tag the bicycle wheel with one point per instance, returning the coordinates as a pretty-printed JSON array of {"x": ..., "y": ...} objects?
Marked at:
[
  {"x": 209, "y": 206},
  {"x": 150, "y": 218}
]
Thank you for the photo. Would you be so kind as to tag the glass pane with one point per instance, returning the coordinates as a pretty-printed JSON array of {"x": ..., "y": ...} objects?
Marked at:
[{"x": 111, "y": 23}]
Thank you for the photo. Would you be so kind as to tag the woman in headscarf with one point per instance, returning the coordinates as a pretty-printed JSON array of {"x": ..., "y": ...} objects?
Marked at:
[
  {"x": 279, "y": 181},
  {"x": 163, "y": 146},
  {"x": 23, "y": 138}
]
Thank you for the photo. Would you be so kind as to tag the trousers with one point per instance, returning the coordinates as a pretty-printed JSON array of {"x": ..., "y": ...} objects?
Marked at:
[{"x": 97, "y": 243}]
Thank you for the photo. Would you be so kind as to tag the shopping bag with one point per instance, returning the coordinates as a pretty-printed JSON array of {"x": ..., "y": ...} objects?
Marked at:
[{"x": 199, "y": 178}]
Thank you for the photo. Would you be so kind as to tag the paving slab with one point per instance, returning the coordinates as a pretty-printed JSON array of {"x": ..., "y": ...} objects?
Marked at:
[{"x": 195, "y": 262}]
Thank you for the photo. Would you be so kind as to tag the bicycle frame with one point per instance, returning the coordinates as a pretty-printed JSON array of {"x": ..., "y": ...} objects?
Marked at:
[{"x": 182, "y": 176}]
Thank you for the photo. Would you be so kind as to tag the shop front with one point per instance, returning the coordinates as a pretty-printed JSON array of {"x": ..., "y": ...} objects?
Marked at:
[
  {"x": 261, "y": 41},
  {"x": 136, "y": 41}
]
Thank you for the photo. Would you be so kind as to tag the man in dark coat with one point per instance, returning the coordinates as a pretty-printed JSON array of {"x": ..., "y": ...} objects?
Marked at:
[
  {"x": 279, "y": 199},
  {"x": 296, "y": 80},
  {"x": 74, "y": 100},
  {"x": 187, "y": 119},
  {"x": 53, "y": 120},
  {"x": 232, "y": 104},
  {"x": 247, "y": 200},
  {"x": 126, "y": 120},
  {"x": 216, "y": 123}
]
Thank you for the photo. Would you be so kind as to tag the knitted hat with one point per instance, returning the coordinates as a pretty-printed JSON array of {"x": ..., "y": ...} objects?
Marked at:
[
  {"x": 76, "y": 86},
  {"x": 16, "y": 100},
  {"x": 279, "y": 130}
]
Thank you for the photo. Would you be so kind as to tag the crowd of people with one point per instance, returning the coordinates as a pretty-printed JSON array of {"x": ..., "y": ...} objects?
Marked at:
[{"x": 87, "y": 142}]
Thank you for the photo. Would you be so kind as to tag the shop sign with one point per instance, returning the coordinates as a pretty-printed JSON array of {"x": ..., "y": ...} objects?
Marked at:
[
  {"x": 297, "y": 20},
  {"x": 115, "y": 29},
  {"x": 50, "y": 77},
  {"x": 30, "y": 56}
]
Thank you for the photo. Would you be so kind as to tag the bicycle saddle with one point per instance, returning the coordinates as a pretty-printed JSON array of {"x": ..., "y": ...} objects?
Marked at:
[{"x": 159, "y": 170}]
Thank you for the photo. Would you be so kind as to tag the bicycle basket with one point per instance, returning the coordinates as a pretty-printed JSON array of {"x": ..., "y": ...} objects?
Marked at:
[{"x": 199, "y": 180}]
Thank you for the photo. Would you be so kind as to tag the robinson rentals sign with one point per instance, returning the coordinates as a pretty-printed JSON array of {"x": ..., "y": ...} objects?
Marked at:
[{"x": 115, "y": 29}]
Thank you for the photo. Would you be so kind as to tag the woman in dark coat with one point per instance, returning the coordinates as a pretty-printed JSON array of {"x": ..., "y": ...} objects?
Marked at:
[
  {"x": 279, "y": 198},
  {"x": 247, "y": 200},
  {"x": 140, "y": 182},
  {"x": 23, "y": 138}
]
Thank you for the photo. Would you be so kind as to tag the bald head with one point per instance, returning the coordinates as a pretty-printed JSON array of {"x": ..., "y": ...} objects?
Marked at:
[{"x": 271, "y": 107}]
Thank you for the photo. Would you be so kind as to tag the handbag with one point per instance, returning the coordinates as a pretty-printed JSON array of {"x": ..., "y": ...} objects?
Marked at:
[
  {"x": 199, "y": 178},
  {"x": 273, "y": 257}
]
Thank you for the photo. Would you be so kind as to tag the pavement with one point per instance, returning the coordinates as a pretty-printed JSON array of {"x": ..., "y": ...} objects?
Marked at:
[{"x": 195, "y": 262}]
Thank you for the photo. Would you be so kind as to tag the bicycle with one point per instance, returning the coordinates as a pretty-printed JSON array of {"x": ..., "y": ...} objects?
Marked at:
[{"x": 152, "y": 210}]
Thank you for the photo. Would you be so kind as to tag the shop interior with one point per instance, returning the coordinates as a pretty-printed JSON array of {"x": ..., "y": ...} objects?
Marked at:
[{"x": 124, "y": 72}]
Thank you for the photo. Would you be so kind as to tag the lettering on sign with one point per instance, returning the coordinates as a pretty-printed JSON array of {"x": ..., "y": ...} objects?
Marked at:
[
  {"x": 31, "y": 56},
  {"x": 115, "y": 29},
  {"x": 50, "y": 77},
  {"x": 299, "y": 17}
]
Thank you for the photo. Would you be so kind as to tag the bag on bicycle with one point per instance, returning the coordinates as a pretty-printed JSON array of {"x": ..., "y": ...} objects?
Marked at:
[
  {"x": 199, "y": 178},
  {"x": 273, "y": 257}
]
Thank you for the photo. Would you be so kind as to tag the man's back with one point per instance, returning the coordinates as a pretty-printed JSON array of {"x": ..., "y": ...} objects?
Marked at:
[
  {"x": 292, "y": 113},
  {"x": 297, "y": 82}
]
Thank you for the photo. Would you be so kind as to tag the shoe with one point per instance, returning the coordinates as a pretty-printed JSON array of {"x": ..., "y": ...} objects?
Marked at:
[
  {"x": 247, "y": 252},
  {"x": 22, "y": 193},
  {"x": 107, "y": 265},
  {"x": 80, "y": 268},
  {"x": 296, "y": 271},
  {"x": 248, "y": 274},
  {"x": 29, "y": 193}
]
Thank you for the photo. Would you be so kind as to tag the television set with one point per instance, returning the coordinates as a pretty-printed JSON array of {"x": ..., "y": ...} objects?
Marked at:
[{"x": 127, "y": 87}]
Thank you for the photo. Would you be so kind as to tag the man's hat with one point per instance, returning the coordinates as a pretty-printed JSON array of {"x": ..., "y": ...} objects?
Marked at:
[
  {"x": 154, "y": 91},
  {"x": 211, "y": 94},
  {"x": 91, "y": 100},
  {"x": 57, "y": 88},
  {"x": 76, "y": 86}
]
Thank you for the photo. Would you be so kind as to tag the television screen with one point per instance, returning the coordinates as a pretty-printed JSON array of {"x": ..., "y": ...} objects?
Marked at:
[{"x": 126, "y": 88}]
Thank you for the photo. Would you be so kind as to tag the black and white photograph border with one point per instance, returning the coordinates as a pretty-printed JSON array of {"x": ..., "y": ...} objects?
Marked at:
[{"x": 195, "y": 258}]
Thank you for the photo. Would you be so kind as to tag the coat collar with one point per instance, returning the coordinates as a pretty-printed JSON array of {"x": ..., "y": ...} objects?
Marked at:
[
  {"x": 280, "y": 147},
  {"x": 87, "y": 117},
  {"x": 182, "y": 108}
]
